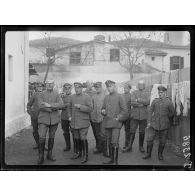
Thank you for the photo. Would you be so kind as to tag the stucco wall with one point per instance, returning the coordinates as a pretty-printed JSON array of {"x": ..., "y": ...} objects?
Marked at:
[{"x": 16, "y": 91}]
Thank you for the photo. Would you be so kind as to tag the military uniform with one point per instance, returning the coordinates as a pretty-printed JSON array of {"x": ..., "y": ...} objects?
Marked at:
[
  {"x": 140, "y": 100},
  {"x": 33, "y": 111},
  {"x": 115, "y": 112},
  {"x": 126, "y": 123},
  {"x": 80, "y": 121},
  {"x": 91, "y": 93},
  {"x": 160, "y": 112},
  {"x": 48, "y": 119},
  {"x": 97, "y": 118},
  {"x": 65, "y": 123}
]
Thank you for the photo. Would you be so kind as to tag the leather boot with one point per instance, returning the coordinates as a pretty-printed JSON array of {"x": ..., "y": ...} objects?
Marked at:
[
  {"x": 36, "y": 138},
  {"x": 78, "y": 149},
  {"x": 149, "y": 150},
  {"x": 115, "y": 154},
  {"x": 50, "y": 148},
  {"x": 41, "y": 151},
  {"x": 111, "y": 161},
  {"x": 104, "y": 149},
  {"x": 98, "y": 147},
  {"x": 85, "y": 151},
  {"x": 160, "y": 151},
  {"x": 67, "y": 140},
  {"x": 129, "y": 147},
  {"x": 141, "y": 142}
]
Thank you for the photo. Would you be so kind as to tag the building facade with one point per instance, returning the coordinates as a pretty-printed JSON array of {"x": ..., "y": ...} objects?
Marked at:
[{"x": 16, "y": 81}]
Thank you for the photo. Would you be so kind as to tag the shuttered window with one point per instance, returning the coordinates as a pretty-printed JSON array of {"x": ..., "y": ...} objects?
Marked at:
[
  {"x": 75, "y": 57},
  {"x": 176, "y": 62},
  {"x": 114, "y": 55}
]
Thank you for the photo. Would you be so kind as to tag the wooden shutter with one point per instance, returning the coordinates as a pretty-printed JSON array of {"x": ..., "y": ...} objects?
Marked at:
[
  {"x": 181, "y": 62},
  {"x": 171, "y": 63}
]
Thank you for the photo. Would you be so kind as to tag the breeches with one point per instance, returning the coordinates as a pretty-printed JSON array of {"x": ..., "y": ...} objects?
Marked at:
[
  {"x": 135, "y": 123},
  {"x": 113, "y": 135},
  {"x": 65, "y": 124},
  {"x": 162, "y": 134},
  {"x": 35, "y": 125},
  {"x": 80, "y": 133},
  {"x": 43, "y": 128}
]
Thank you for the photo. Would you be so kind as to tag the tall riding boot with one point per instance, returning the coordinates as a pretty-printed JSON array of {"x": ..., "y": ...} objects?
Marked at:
[
  {"x": 98, "y": 147},
  {"x": 50, "y": 148},
  {"x": 160, "y": 151},
  {"x": 149, "y": 150},
  {"x": 78, "y": 149},
  {"x": 67, "y": 140},
  {"x": 126, "y": 140},
  {"x": 129, "y": 147},
  {"x": 104, "y": 149},
  {"x": 115, "y": 155},
  {"x": 36, "y": 137},
  {"x": 111, "y": 161},
  {"x": 41, "y": 151},
  {"x": 141, "y": 142},
  {"x": 85, "y": 151}
]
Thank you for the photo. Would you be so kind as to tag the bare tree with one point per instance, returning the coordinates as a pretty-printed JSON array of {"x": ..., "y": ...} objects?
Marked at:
[{"x": 131, "y": 44}]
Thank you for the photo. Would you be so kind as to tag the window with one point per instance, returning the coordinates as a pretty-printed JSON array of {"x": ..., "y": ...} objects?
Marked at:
[
  {"x": 153, "y": 58},
  {"x": 176, "y": 62},
  {"x": 75, "y": 57},
  {"x": 114, "y": 55},
  {"x": 10, "y": 68}
]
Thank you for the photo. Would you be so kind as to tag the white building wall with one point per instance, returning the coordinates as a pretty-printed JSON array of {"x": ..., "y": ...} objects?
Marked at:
[
  {"x": 176, "y": 52},
  {"x": 16, "y": 91},
  {"x": 157, "y": 63}
]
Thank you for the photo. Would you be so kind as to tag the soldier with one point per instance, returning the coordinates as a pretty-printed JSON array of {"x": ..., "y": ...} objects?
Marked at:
[
  {"x": 96, "y": 117},
  {"x": 33, "y": 111},
  {"x": 160, "y": 112},
  {"x": 80, "y": 108},
  {"x": 65, "y": 123},
  {"x": 114, "y": 110},
  {"x": 49, "y": 103},
  {"x": 127, "y": 97},
  {"x": 89, "y": 90},
  {"x": 140, "y": 100}
]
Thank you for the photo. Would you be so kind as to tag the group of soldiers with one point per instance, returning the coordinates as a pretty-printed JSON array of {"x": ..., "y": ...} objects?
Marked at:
[{"x": 106, "y": 111}]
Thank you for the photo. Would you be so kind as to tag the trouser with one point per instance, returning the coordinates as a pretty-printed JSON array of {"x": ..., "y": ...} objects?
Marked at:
[
  {"x": 162, "y": 134},
  {"x": 35, "y": 126},
  {"x": 43, "y": 129},
  {"x": 142, "y": 124},
  {"x": 66, "y": 131},
  {"x": 113, "y": 135},
  {"x": 97, "y": 130},
  {"x": 94, "y": 133},
  {"x": 127, "y": 131},
  {"x": 80, "y": 133}
]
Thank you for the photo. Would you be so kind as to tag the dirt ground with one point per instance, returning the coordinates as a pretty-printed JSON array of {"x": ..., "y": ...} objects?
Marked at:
[{"x": 18, "y": 151}]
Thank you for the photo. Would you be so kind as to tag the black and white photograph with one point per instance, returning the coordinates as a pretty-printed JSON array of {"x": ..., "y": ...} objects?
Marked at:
[{"x": 94, "y": 97}]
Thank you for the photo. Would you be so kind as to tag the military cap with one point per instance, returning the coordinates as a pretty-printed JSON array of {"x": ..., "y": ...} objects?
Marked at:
[
  {"x": 78, "y": 84},
  {"x": 109, "y": 82},
  {"x": 127, "y": 84},
  {"x": 98, "y": 84},
  {"x": 162, "y": 88},
  {"x": 40, "y": 84},
  {"x": 67, "y": 85},
  {"x": 49, "y": 81}
]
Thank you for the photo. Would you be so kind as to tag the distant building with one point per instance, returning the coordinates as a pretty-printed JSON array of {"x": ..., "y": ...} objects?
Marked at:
[{"x": 16, "y": 81}]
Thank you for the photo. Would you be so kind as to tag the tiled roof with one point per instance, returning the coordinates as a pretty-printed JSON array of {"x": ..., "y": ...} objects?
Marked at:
[
  {"x": 147, "y": 43},
  {"x": 155, "y": 52}
]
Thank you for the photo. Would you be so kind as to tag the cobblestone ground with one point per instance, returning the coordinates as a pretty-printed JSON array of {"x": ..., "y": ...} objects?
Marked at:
[{"x": 18, "y": 151}]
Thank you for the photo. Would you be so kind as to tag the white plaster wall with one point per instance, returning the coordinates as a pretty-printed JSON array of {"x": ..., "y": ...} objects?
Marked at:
[
  {"x": 16, "y": 91},
  {"x": 157, "y": 63},
  {"x": 176, "y": 52}
]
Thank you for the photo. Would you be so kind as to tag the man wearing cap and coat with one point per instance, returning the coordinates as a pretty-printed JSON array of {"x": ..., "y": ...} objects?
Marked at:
[
  {"x": 140, "y": 99},
  {"x": 65, "y": 123},
  {"x": 49, "y": 103},
  {"x": 114, "y": 110},
  {"x": 80, "y": 108},
  {"x": 127, "y": 97},
  {"x": 33, "y": 111},
  {"x": 97, "y": 118},
  {"x": 160, "y": 113}
]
